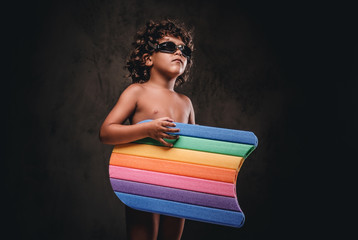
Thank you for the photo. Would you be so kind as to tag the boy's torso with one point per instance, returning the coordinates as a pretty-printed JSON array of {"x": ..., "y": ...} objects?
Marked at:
[{"x": 153, "y": 103}]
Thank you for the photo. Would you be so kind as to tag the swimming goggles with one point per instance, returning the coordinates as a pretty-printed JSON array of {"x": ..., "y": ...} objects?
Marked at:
[{"x": 170, "y": 47}]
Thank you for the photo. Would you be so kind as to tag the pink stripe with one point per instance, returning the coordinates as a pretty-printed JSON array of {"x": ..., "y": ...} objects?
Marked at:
[{"x": 174, "y": 181}]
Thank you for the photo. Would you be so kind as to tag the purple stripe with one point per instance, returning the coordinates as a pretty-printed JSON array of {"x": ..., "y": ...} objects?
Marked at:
[{"x": 174, "y": 194}]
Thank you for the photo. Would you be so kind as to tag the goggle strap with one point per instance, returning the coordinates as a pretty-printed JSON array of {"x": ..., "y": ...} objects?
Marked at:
[{"x": 152, "y": 45}]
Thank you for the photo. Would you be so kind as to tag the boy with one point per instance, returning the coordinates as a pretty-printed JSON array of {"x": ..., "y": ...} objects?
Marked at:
[{"x": 160, "y": 60}]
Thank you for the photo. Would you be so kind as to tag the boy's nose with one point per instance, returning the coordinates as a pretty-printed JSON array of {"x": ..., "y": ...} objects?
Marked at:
[{"x": 178, "y": 52}]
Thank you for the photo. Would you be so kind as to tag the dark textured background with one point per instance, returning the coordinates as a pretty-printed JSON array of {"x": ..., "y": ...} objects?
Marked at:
[{"x": 286, "y": 71}]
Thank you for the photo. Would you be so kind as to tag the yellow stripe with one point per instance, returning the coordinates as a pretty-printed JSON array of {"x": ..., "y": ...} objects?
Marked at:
[{"x": 180, "y": 155}]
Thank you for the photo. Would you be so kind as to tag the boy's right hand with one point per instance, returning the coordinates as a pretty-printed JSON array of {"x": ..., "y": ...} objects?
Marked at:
[{"x": 158, "y": 129}]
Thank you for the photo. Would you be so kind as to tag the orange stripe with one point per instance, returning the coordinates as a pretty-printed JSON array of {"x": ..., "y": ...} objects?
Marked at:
[
  {"x": 180, "y": 155},
  {"x": 173, "y": 167}
]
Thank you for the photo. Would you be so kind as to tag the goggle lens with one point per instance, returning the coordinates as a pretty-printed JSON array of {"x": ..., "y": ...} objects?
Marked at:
[{"x": 170, "y": 47}]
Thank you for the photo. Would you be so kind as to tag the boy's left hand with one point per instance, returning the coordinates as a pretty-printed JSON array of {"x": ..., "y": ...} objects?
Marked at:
[{"x": 160, "y": 128}]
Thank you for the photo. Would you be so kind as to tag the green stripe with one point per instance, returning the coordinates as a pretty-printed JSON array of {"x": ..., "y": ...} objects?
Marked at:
[{"x": 205, "y": 145}]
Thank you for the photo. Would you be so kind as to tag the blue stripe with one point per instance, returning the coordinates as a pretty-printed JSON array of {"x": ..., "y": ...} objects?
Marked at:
[
  {"x": 183, "y": 210},
  {"x": 215, "y": 133}
]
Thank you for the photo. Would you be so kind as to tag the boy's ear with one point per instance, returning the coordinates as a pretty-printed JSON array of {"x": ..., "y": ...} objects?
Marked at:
[{"x": 148, "y": 60}]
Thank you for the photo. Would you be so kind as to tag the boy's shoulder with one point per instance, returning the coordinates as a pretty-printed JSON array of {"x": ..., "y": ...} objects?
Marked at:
[
  {"x": 132, "y": 92},
  {"x": 134, "y": 88},
  {"x": 184, "y": 98}
]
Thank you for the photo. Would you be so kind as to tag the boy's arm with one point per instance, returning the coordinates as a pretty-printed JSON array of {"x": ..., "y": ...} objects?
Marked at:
[
  {"x": 114, "y": 132},
  {"x": 192, "y": 114}
]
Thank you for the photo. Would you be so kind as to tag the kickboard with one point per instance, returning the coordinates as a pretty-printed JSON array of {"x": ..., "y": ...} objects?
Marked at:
[{"x": 195, "y": 179}]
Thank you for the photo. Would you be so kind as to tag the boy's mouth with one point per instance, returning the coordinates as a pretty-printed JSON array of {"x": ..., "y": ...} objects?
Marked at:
[{"x": 178, "y": 60}]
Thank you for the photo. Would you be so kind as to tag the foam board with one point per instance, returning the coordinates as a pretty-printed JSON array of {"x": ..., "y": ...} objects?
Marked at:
[{"x": 196, "y": 179}]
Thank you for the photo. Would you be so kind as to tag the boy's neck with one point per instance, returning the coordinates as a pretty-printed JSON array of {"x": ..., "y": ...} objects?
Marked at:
[{"x": 162, "y": 83}]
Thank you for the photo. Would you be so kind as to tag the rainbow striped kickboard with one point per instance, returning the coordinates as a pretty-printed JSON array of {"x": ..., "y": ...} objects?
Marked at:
[{"x": 196, "y": 179}]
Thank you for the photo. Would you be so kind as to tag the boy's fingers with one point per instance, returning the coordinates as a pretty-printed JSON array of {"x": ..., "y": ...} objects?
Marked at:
[
  {"x": 169, "y": 124},
  {"x": 167, "y": 136},
  {"x": 161, "y": 140},
  {"x": 169, "y": 129},
  {"x": 172, "y": 130},
  {"x": 167, "y": 119}
]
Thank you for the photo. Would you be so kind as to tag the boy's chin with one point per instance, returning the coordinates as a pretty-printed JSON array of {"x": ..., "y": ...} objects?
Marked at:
[
  {"x": 175, "y": 74},
  {"x": 172, "y": 73},
  {"x": 177, "y": 69}
]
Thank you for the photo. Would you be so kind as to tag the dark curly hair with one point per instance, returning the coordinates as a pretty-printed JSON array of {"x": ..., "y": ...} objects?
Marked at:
[{"x": 153, "y": 31}]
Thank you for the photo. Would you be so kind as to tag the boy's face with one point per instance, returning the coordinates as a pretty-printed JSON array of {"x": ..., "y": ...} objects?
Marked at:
[{"x": 169, "y": 64}]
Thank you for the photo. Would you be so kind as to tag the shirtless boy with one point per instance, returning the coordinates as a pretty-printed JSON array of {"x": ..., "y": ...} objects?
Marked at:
[{"x": 161, "y": 60}]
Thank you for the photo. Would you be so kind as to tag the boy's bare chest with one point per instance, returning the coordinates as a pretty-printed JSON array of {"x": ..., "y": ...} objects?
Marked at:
[{"x": 163, "y": 105}]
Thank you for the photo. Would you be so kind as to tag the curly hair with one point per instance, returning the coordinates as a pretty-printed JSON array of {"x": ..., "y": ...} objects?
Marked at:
[{"x": 153, "y": 31}]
